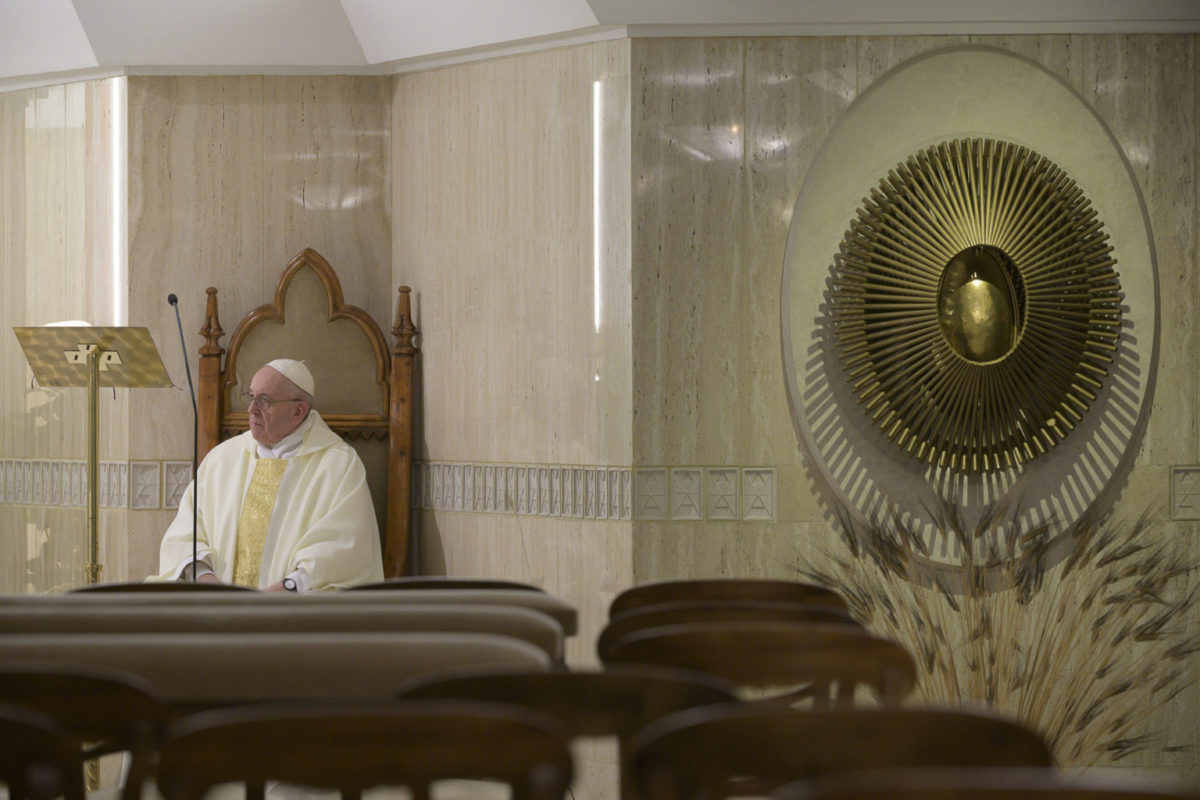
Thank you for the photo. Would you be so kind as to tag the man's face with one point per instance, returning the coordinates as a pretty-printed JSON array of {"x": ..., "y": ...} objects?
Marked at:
[{"x": 270, "y": 424}]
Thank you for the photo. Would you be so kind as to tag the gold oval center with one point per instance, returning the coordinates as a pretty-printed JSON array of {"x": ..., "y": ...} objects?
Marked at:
[{"x": 981, "y": 304}]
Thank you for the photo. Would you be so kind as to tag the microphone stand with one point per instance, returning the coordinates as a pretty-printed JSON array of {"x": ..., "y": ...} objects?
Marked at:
[{"x": 174, "y": 301}]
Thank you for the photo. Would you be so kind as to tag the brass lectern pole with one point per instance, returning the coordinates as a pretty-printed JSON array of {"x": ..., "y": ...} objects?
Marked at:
[{"x": 92, "y": 568}]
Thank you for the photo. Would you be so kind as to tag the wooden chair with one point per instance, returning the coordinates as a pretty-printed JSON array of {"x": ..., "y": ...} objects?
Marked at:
[
  {"x": 682, "y": 613},
  {"x": 618, "y": 702},
  {"x": 440, "y": 582},
  {"x": 355, "y": 748},
  {"x": 748, "y": 749},
  {"x": 827, "y": 661},
  {"x": 116, "y": 711},
  {"x": 365, "y": 391},
  {"x": 38, "y": 758},
  {"x": 723, "y": 589},
  {"x": 987, "y": 784}
]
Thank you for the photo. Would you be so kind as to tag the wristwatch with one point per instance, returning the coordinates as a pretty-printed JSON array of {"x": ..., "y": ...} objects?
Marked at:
[{"x": 289, "y": 584}]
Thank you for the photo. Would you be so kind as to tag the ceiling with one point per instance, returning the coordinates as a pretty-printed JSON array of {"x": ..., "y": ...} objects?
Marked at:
[{"x": 43, "y": 41}]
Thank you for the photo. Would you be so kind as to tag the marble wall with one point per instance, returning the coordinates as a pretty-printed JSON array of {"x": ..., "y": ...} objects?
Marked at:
[
  {"x": 511, "y": 224},
  {"x": 723, "y": 133},
  {"x": 230, "y": 177},
  {"x": 595, "y": 238},
  {"x": 56, "y": 256},
  {"x": 490, "y": 223},
  {"x": 523, "y": 309}
]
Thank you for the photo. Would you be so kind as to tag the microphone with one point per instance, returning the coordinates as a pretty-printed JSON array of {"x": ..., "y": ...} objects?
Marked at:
[{"x": 174, "y": 301}]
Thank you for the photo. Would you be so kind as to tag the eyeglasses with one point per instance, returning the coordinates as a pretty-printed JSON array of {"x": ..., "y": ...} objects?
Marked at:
[{"x": 263, "y": 402}]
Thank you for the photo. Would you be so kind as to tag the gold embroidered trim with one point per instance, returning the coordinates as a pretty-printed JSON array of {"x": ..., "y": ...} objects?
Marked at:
[{"x": 255, "y": 519}]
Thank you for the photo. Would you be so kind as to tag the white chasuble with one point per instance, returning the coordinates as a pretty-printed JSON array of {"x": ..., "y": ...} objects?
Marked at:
[{"x": 323, "y": 520}]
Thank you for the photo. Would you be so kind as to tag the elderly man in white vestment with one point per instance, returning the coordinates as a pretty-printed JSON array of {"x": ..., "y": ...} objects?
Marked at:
[{"x": 284, "y": 506}]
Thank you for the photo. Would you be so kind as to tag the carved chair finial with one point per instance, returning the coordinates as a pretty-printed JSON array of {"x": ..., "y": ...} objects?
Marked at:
[
  {"x": 404, "y": 330},
  {"x": 211, "y": 331}
]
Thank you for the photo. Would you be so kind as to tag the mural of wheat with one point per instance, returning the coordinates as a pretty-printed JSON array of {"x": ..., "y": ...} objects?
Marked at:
[{"x": 1081, "y": 645}]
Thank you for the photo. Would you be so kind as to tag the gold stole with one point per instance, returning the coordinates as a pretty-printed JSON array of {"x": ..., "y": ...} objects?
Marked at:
[{"x": 255, "y": 519}]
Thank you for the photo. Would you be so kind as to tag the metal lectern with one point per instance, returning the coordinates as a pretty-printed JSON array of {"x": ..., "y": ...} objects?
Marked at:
[{"x": 93, "y": 357}]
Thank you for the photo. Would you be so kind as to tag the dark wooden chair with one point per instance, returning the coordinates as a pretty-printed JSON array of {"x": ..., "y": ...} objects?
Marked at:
[
  {"x": 618, "y": 702},
  {"x": 38, "y": 757},
  {"x": 723, "y": 589},
  {"x": 987, "y": 784},
  {"x": 353, "y": 748},
  {"x": 365, "y": 387},
  {"x": 749, "y": 749},
  {"x": 440, "y": 582},
  {"x": 827, "y": 662},
  {"x": 682, "y": 613},
  {"x": 113, "y": 711}
]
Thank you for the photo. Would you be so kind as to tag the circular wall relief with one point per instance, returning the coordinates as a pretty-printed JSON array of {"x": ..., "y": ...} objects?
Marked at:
[
  {"x": 974, "y": 305},
  {"x": 953, "y": 325}
]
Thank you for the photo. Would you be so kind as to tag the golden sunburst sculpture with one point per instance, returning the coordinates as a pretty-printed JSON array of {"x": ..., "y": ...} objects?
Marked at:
[{"x": 975, "y": 305}]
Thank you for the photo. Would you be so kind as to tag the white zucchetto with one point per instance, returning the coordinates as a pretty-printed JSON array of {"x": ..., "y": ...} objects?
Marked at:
[{"x": 296, "y": 372}]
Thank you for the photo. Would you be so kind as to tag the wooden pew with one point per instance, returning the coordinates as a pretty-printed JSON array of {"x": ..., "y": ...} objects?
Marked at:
[
  {"x": 192, "y": 671},
  {"x": 561, "y": 611},
  {"x": 524, "y": 624}
]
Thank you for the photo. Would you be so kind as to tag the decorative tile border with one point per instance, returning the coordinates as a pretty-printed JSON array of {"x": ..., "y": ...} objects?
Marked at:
[
  {"x": 176, "y": 477},
  {"x": 685, "y": 494},
  {"x": 650, "y": 491},
  {"x": 535, "y": 490},
  {"x": 147, "y": 482},
  {"x": 758, "y": 494},
  {"x": 721, "y": 493},
  {"x": 1185, "y": 493},
  {"x": 43, "y": 482}
]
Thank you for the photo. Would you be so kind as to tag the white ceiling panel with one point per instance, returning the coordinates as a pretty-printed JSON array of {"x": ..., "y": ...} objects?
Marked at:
[
  {"x": 391, "y": 30},
  {"x": 220, "y": 32},
  {"x": 39, "y": 38},
  {"x": 42, "y": 36}
]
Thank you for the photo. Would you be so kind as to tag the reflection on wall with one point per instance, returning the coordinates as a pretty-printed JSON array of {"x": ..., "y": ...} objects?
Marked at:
[
  {"x": 511, "y": 225},
  {"x": 56, "y": 205}
]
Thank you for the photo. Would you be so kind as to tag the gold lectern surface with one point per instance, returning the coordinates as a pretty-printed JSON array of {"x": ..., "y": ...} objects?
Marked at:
[{"x": 58, "y": 356}]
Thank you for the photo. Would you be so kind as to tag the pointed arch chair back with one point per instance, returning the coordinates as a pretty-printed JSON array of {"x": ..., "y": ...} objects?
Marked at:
[{"x": 364, "y": 390}]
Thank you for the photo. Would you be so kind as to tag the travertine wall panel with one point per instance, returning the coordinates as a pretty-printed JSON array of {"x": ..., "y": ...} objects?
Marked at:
[
  {"x": 517, "y": 248},
  {"x": 708, "y": 244},
  {"x": 781, "y": 96},
  {"x": 494, "y": 209},
  {"x": 231, "y": 177},
  {"x": 56, "y": 208},
  {"x": 1140, "y": 88}
]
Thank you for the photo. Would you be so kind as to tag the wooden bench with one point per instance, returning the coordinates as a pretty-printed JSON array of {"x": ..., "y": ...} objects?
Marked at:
[
  {"x": 561, "y": 611},
  {"x": 524, "y": 624},
  {"x": 191, "y": 671}
]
